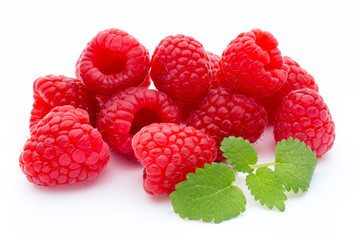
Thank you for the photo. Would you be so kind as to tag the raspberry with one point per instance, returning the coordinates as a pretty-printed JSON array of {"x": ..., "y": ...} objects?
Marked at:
[
  {"x": 112, "y": 61},
  {"x": 169, "y": 152},
  {"x": 102, "y": 99},
  {"x": 63, "y": 149},
  {"x": 223, "y": 113},
  {"x": 180, "y": 68},
  {"x": 185, "y": 110},
  {"x": 304, "y": 115},
  {"x": 297, "y": 78},
  {"x": 146, "y": 83},
  {"x": 51, "y": 91},
  {"x": 125, "y": 113},
  {"x": 214, "y": 67},
  {"x": 252, "y": 64}
]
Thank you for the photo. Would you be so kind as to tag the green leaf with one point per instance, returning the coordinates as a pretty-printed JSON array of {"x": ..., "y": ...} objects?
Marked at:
[
  {"x": 266, "y": 187},
  {"x": 240, "y": 153},
  {"x": 294, "y": 164},
  {"x": 209, "y": 195}
]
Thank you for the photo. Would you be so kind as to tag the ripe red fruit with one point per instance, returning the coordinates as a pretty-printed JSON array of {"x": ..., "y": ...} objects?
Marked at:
[
  {"x": 146, "y": 83},
  {"x": 126, "y": 112},
  {"x": 304, "y": 115},
  {"x": 185, "y": 109},
  {"x": 169, "y": 152},
  {"x": 180, "y": 68},
  {"x": 214, "y": 67},
  {"x": 112, "y": 61},
  {"x": 52, "y": 91},
  {"x": 223, "y": 113},
  {"x": 297, "y": 78},
  {"x": 252, "y": 64},
  {"x": 63, "y": 149}
]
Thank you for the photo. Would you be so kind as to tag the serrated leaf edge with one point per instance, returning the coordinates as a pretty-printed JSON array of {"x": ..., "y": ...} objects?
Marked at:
[
  {"x": 230, "y": 160},
  {"x": 257, "y": 198},
  {"x": 199, "y": 170},
  {"x": 297, "y": 141}
]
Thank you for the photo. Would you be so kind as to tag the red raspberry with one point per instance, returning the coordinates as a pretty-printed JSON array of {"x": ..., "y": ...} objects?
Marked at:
[
  {"x": 51, "y": 91},
  {"x": 125, "y": 113},
  {"x": 169, "y": 152},
  {"x": 102, "y": 99},
  {"x": 63, "y": 149},
  {"x": 304, "y": 115},
  {"x": 252, "y": 64},
  {"x": 214, "y": 67},
  {"x": 180, "y": 68},
  {"x": 297, "y": 78},
  {"x": 185, "y": 110},
  {"x": 146, "y": 83},
  {"x": 112, "y": 61},
  {"x": 223, "y": 113}
]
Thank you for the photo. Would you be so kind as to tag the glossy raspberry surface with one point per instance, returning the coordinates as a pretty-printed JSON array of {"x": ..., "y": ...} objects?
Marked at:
[
  {"x": 126, "y": 112},
  {"x": 63, "y": 149},
  {"x": 214, "y": 67},
  {"x": 304, "y": 115},
  {"x": 102, "y": 99},
  {"x": 112, "y": 61},
  {"x": 180, "y": 68},
  {"x": 252, "y": 64},
  {"x": 169, "y": 152},
  {"x": 51, "y": 91},
  {"x": 297, "y": 78},
  {"x": 146, "y": 83},
  {"x": 185, "y": 110},
  {"x": 223, "y": 113}
]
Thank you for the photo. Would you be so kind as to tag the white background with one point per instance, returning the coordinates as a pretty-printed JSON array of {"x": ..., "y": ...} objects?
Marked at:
[{"x": 44, "y": 37}]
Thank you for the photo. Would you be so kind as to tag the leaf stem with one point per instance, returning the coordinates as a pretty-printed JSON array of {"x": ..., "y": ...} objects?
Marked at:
[{"x": 262, "y": 165}]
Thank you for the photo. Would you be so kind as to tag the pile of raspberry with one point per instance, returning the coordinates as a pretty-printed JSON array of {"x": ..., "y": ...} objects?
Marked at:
[{"x": 200, "y": 99}]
